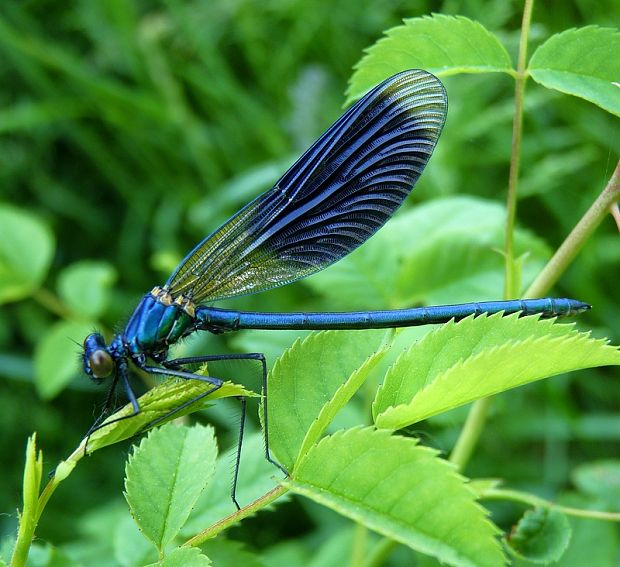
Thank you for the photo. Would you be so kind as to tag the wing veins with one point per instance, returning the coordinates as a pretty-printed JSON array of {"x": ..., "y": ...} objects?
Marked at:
[{"x": 331, "y": 200}]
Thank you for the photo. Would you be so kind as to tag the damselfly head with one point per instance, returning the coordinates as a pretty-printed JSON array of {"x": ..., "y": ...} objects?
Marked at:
[{"x": 98, "y": 362}]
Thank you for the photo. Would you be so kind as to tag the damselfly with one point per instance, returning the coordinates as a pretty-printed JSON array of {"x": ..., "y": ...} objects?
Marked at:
[{"x": 335, "y": 197}]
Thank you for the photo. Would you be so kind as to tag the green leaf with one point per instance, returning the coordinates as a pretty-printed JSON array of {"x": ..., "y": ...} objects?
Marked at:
[
  {"x": 56, "y": 357},
  {"x": 227, "y": 553},
  {"x": 340, "y": 547},
  {"x": 401, "y": 490},
  {"x": 256, "y": 478},
  {"x": 33, "y": 471},
  {"x": 340, "y": 398},
  {"x": 131, "y": 548},
  {"x": 46, "y": 555},
  {"x": 26, "y": 250},
  {"x": 271, "y": 344},
  {"x": 478, "y": 357},
  {"x": 369, "y": 274},
  {"x": 183, "y": 557},
  {"x": 581, "y": 62},
  {"x": 541, "y": 536},
  {"x": 306, "y": 378},
  {"x": 236, "y": 192},
  {"x": 593, "y": 542},
  {"x": 85, "y": 287},
  {"x": 452, "y": 252},
  {"x": 164, "y": 477},
  {"x": 600, "y": 479},
  {"x": 443, "y": 45},
  {"x": 157, "y": 404},
  {"x": 27, "y": 115},
  {"x": 440, "y": 252},
  {"x": 482, "y": 485}
]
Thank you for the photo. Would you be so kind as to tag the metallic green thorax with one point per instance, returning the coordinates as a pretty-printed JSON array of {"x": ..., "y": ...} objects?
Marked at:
[{"x": 159, "y": 321}]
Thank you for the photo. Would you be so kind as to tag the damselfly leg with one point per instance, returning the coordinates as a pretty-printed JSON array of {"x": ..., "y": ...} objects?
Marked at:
[
  {"x": 256, "y": 356},
  {"x": 123, "y": 375}
]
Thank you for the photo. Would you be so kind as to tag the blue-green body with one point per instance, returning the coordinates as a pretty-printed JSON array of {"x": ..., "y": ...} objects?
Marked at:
[
  {"x": 341, "y": 191},
  {"x": 221, "y": 320},
  {"x": 155, "y": 325}
]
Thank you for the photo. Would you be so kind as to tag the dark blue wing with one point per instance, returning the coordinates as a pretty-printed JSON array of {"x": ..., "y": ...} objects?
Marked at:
[{"x": 337, "y": 195}]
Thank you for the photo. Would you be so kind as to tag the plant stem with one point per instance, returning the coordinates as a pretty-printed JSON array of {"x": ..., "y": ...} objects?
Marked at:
[
  {"x": 28, "y": 517},
  {"x": 548, "y": 276},
  {"x": 615, "y": 212},
  {"x": 29, "y": 522},
  {"x": 470, "y": 434},
  {"x": 477, "y": 416},
  {"x": 22, "y": 544},
  {"x": 359, "y": 545},
  {"x": 578, "y": 237},
  {"x": 510, "y": 285},
  {"x": 234, "y": 518},
  {"x": 530, "y": 499},
  {"x": 381, "y": 552},
  {"x": 62, "y": 471},
  {"x": 52, "y": 303}
]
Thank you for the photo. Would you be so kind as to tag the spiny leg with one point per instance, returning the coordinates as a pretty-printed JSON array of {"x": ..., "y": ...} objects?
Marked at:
[
  {"x": 124, "y": 374},
  {"x": 266, "y": 414},
  {"x": 233, "y": 489},
  {"x": 106, "y": 405},
  {"x": 172, "y": 370},
  {"x": 238, "y": 356}
]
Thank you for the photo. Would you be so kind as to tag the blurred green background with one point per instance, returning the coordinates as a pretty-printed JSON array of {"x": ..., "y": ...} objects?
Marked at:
[{"x": 130, "y": 129}]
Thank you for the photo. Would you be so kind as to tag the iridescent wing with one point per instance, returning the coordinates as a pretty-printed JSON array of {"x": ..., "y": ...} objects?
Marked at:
[{"x": 337, "y": 195}]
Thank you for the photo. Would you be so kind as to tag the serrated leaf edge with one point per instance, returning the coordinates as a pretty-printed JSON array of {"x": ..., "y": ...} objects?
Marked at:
[
  {"x": 389, "y": 34},
  {"x": 572, "y": 336},
  {"x": 453, "y": 326},
  {"x": 340, "y": 398},
  {"x": 451, "y": 470}
]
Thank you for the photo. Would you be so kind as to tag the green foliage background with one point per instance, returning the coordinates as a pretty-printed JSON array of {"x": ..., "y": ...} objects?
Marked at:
[{"x": 132, "y": 129}]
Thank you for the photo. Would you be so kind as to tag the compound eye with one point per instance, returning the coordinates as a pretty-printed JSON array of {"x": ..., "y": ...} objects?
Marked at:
[
  {"x": 98, "y": 362},
  {"x": 101, "y": 363}
]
